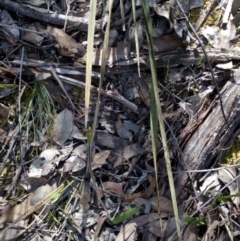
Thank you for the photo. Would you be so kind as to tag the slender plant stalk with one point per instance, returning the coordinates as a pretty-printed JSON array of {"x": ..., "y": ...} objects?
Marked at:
[
  {"x": 157, "y": 107},
  {"x": 89, "y": 60},
  {"x": 91, "y": 132}
]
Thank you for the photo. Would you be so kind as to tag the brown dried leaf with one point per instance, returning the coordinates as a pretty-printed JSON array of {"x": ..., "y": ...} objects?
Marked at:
[
  {"x": 48, "y": 168},
  {"x": 12, "y": 32},
  {"x": 85, "y": 196},
  {"x": 32, "y": 36},
  {"x": 110, "y": 141},
  {"x": 129, "y": 228},
  {"x": 166, "y": 43},
  {"x": 100, "y": 158},
  {"x": 5, "y": 206},
  {"x": 21, "y": 210},
  {"x": 128, "y": 152},
  {"x": 122, "y": 131},
  {"x": 191, "y": 232},
  {"x": 4, "y": 114},
  {"x": 13, "y": 232},
  {"x": 126, "y": 231},
  {"x": 74, "y": 164},
  {"x": 116, "y": 188},
  {"x": 81, "y": 151},
  {"x": 166, "y": 205},
  {"x": 68, "y": 45},
  {"x": 101, "y": 220}
]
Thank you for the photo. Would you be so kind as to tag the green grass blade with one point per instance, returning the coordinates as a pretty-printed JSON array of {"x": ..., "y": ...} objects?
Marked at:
[
  {"x": 125, "y": 215},
  {"x": 89, "y": 60},
  {"x": 158, "y": 110},
  {"x": 103, "y": 65},
  {"x": 91, "y": 132}
]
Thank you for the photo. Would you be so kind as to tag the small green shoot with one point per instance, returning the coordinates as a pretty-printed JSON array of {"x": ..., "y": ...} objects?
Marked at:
[
  {"x": 125, "y": 215},
  {"x": 2, "y": 85},
  {"x": 59, "y": 191},
  {"x": 199, "y": 221},
  {"x": 222, "y": 199}
]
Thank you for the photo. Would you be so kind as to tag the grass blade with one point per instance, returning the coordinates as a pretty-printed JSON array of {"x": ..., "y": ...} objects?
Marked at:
[
  {"x": 89, "y": 60},
  {"x": 156, "y": 108}
]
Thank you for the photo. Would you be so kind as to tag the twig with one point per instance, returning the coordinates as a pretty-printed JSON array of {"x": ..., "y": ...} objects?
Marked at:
[
  {"x": 63, "y": 89},
  {"x": 207, "y": 59},
  {"x": 227, "y": 12}
]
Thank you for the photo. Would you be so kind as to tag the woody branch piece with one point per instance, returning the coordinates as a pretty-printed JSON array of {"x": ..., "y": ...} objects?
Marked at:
[{"x": 52, "y": 18}]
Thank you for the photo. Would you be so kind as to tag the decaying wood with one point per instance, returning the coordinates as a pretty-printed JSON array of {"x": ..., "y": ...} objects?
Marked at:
[
  {"x": 207, "y": 137},
  {"x": 175, "y": 58},
  {"x": 44, "y": 16}
]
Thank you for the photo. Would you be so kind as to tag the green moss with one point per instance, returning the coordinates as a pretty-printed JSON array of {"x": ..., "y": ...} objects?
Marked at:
[
  {"x": 78, "y": 92},
  {"x": 194, "y": 14},
  {"x": 233, "y": 154},
  {"x": 211, "y": 20}
]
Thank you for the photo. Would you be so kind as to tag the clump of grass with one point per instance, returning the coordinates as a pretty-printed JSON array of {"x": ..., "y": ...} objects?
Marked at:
[{"x": 39, "y": 108}]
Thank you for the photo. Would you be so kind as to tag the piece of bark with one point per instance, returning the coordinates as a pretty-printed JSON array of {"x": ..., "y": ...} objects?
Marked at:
[{"x": 206, "y": 138}]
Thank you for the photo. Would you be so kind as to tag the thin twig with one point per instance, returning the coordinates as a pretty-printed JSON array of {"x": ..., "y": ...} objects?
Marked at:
[
  {"x": 63, "y": 89},
  {"x": 207, "y": 59}
]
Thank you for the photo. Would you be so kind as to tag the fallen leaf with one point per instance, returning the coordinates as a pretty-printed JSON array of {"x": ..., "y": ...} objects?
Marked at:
[
  {"x": 32, "y": 36},
  {"x": 4, "y": 114},
  {"x": 122, "y": 131},
  {"x": 126, "y": 231},
  {"x": 63, "y": 126},
  {"x": 68, "y": 45},
  {"x": 100, "y": 158},
  {"x": 116, "y": 188},
  {"x": 110, "y": 141},
  {"x": 49, "y": 154},
  {"x": 166, "y": 205},
  {"x": 85, "y": 196},
  {"x": 12, "y": 33}
]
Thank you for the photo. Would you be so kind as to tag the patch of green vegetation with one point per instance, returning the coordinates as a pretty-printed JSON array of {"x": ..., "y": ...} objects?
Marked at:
[
  {"x": 214, "y": 15},
  {"x": 125, "y": 215},
  {"x": 200, "y": 221},
  {"x": 223, "y": 199},
  {"x": 38, "y": 107},
  {"x": 211, "y": 20},
  {"x": 233, "y": 154},
  {"x": 78, "y": 91},
  {"x": 194, "y": 14}
]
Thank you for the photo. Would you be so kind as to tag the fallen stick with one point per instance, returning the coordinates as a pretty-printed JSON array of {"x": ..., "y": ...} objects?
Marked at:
[{"x": 43, "y": 15}]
